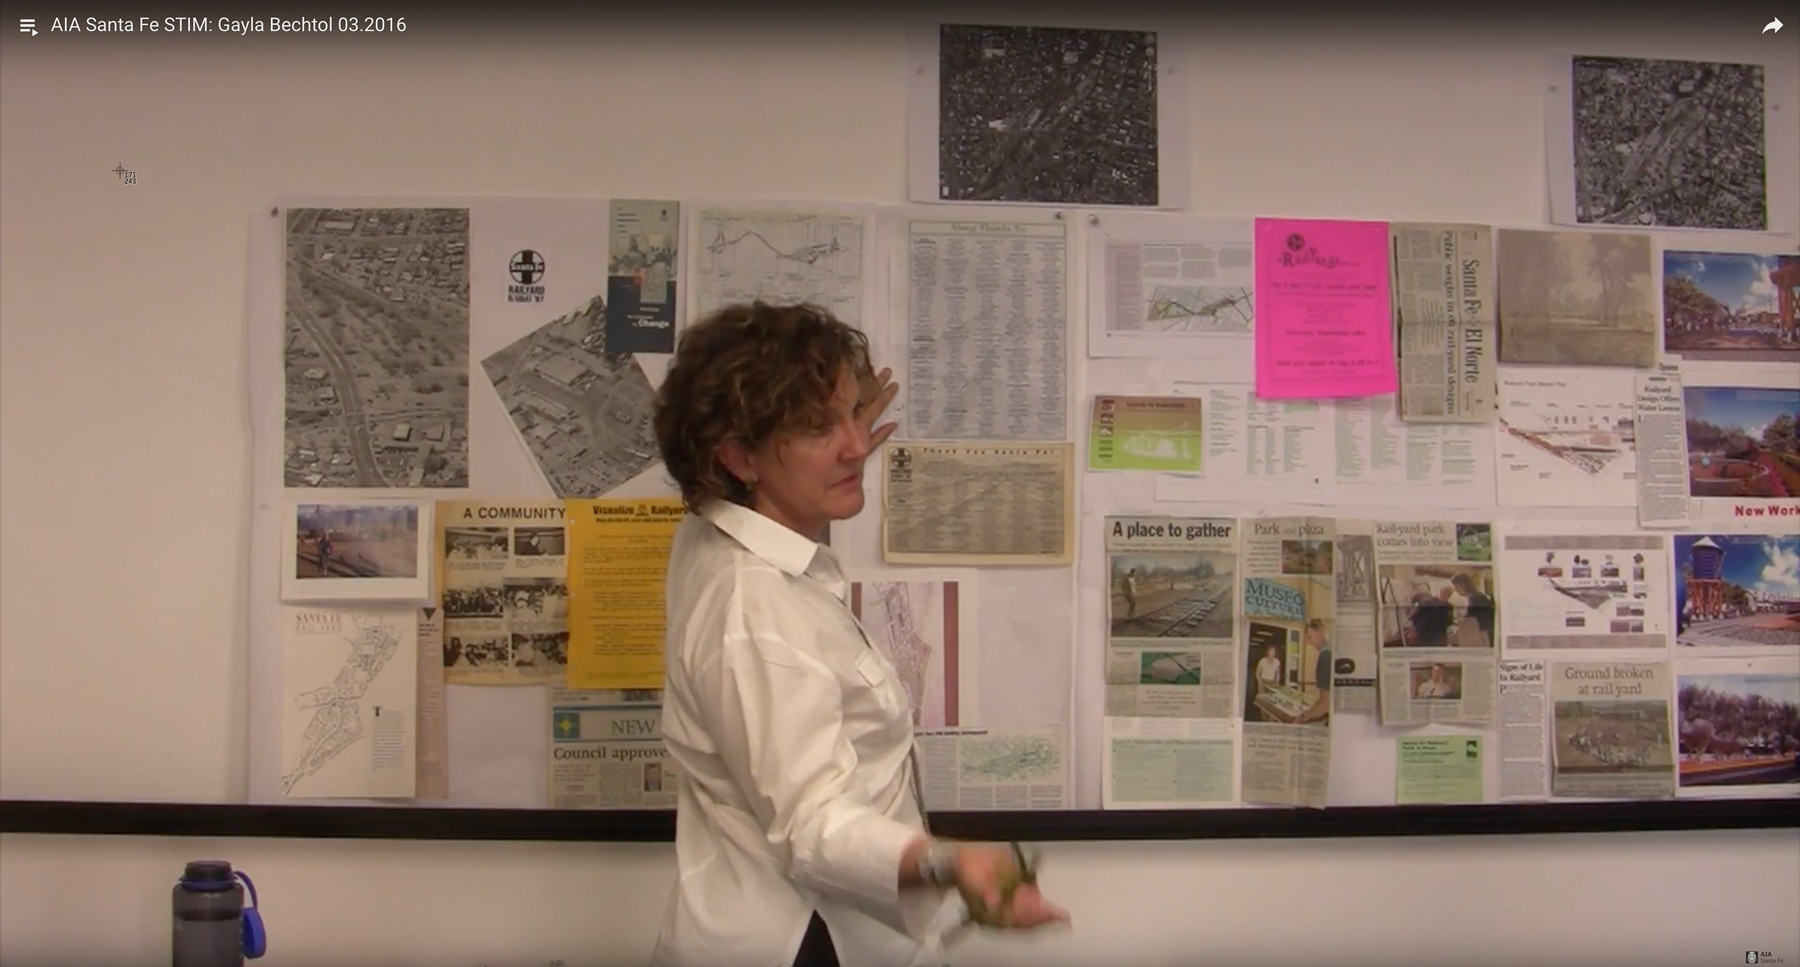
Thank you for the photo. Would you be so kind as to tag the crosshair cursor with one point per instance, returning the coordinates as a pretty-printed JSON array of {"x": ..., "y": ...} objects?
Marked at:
[{"x": 1774, "y": 25}]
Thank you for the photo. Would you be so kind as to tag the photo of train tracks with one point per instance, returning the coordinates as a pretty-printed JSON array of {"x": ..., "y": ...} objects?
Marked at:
[{"x": 1172, "y": 595}]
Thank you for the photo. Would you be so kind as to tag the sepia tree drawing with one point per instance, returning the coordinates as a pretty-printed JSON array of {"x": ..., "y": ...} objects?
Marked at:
[{"x": 1576, "y": 298}]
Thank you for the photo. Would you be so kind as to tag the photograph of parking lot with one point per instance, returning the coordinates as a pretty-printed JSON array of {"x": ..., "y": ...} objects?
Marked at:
[
  {"x": 583, "y": 411},
  {"x": 1047, "y": 115}
]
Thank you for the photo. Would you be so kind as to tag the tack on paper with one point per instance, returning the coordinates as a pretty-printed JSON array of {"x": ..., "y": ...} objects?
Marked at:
[{"x": 1324, "y": 326}]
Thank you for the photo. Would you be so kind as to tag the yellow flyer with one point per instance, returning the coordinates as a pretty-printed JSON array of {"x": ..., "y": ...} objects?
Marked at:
[{"x": 618, "y": 563}]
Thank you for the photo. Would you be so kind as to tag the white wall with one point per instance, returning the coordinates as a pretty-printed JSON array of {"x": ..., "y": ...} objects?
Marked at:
[{"x": 123, "y": 473}]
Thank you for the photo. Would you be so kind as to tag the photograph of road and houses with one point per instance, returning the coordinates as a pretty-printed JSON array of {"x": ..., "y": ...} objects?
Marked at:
[{"x": 1731, "y": 306}]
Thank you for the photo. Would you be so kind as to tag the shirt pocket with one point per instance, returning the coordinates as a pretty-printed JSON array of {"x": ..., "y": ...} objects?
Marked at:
[{"x": 883, "y": 684}]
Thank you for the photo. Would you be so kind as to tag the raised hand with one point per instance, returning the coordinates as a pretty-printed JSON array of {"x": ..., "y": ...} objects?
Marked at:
[{"x": 877, "y": 395}]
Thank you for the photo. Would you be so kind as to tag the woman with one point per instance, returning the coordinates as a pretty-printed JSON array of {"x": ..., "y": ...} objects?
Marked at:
[{"x": 800, "y": 825}]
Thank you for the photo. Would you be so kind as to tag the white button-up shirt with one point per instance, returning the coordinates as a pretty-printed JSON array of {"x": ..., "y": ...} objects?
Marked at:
[{"x": 793, "y": 737}]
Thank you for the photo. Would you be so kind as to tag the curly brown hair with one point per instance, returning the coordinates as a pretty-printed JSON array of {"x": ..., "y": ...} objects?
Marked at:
[{"x": 753, "y": 372}]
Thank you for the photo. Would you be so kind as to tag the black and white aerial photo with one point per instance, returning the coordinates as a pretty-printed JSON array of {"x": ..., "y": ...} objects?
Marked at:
[
  {"x": 584, "y": 412},
  {"x": 1048, "y": 115},
  {"x": 376, "y": 350},
  {"x": 1669, "y": 143}
]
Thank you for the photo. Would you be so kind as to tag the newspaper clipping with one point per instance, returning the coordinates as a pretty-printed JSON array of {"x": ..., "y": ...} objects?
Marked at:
[
  {"x": 505, "y": 592},
  {"x": 979, "y": 504},
  {"x": 1524, "y": 767},
  {"x": 1171, "y": 633},
  {"x": 971, "y": 769},
  {"x": 1611, "y": 727},
  {"x": 1660, "y": 436},
  {"x": 1444, "y": 321},
  {"x": 1437, "y": 618},
  {"x": 1353, "y": 653},
  {"x": 1289, "y": 605},
  {"x": 1158, "y": 763},
  {"x": 433, "y": 754},
  {"x": 607, "y": 752}
]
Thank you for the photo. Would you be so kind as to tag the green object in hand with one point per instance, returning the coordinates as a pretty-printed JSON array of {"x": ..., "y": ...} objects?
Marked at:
[{"x": 1023, "y": 872}]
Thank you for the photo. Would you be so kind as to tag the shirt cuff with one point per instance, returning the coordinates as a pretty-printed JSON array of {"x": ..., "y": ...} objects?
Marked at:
[{"x": 863, "y": 856}]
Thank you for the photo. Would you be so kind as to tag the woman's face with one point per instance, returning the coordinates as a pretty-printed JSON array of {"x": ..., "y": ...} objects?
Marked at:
[{"x": 814, "y": 476}]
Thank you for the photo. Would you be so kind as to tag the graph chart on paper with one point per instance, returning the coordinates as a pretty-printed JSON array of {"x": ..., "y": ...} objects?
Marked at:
[{"x": 813, "y": 257}]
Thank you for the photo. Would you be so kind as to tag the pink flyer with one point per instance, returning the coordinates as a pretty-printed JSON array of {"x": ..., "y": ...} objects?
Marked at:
[{"x": 1323, "y": 325}]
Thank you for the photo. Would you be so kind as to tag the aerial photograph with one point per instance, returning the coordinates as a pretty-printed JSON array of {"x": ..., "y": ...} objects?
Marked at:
[
  {"x": 584, "y": 413},
  {"x": 1669, "y": 143},
  {"x": 1047, "y": 115},
  {"x": 376, "y": 353}
]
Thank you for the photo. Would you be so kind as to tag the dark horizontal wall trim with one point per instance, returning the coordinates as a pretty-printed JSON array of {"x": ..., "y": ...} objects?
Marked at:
[{"x": 432, "y": 823}]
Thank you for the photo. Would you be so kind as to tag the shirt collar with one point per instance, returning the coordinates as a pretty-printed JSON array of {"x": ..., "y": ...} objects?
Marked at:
[{"x": 772, "y": 542}]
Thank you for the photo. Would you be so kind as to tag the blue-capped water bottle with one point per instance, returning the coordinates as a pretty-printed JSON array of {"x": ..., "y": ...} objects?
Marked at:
[{"x": 212, "y": 926}]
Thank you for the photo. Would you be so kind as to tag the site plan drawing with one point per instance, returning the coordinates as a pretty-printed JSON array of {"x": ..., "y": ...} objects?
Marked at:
[
  {"x": 349, "y": 685},
  {"x": 779, "y": 257}
]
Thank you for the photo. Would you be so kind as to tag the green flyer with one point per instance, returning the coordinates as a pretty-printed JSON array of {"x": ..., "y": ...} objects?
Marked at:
[
  {"x": 1439, "y": 769},
  {"x": 1154, "y": 433}
]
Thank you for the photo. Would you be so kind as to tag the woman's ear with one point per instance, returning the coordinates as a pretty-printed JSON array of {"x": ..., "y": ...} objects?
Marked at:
[{"x": 738, "y": 461}]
